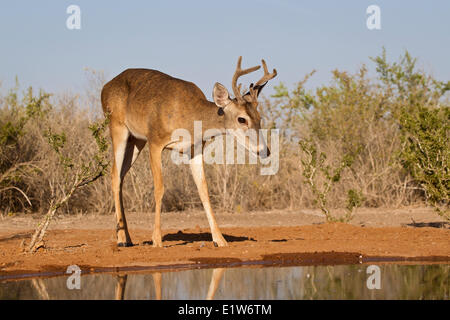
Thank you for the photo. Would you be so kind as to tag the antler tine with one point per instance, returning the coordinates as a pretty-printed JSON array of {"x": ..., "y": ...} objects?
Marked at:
[
  {"x": 253, "y": 94},
  {"x": 238, "y": 73},
  {"x": 267, "y": 76}
]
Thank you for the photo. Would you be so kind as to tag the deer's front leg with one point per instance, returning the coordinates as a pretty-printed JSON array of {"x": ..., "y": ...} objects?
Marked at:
[
  {"x": 198, "y": 173},
  {"x": 155, "y": 165}
]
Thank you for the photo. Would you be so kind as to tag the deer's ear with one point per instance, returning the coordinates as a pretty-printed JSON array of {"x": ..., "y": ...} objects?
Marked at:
[{"x": 220, "y": 95}]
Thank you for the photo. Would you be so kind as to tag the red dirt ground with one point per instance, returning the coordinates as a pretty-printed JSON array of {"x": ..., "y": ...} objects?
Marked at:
[{"x": 261, "y": 238}]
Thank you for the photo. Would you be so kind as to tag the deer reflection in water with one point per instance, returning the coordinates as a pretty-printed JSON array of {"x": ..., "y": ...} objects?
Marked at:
[{"x": 121, "y": 282}]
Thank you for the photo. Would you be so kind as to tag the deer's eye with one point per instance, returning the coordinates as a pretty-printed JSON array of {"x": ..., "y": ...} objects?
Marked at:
[{"x": 242, "y": 120}]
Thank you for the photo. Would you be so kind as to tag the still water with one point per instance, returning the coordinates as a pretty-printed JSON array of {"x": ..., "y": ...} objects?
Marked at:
[{"x": 311, "y": 282}]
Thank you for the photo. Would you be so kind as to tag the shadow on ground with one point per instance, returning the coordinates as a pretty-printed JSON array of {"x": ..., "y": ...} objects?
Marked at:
[
  {"x": 441, "y": 224},
  {"x": 196, "y": 237},
  {"x": 23, "y": 235}
]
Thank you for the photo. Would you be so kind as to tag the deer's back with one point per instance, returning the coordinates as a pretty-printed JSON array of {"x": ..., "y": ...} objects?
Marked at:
[
  {"x": 142, "y": 88},
  {"x": 144, "y": 99}
]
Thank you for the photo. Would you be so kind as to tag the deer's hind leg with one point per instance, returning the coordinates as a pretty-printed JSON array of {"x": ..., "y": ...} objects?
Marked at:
[{"x": 126, "y": 150}]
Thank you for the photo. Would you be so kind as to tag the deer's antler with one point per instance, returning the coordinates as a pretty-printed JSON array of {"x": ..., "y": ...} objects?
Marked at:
[
  {"x": 253, "y": 90},
  {"x": 239, "y": 72}
]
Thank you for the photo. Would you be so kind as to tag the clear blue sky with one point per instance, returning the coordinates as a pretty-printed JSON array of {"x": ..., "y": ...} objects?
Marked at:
[{"x": 200, "y": 41}]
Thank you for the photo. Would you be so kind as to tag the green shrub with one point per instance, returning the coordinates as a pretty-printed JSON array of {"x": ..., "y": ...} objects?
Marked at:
[
  {"x": 17, "y": 163},
  {"x": 320, "y": 176},
  {"x": 402, "y": 111},
  {"x": 426, "y": 152}
]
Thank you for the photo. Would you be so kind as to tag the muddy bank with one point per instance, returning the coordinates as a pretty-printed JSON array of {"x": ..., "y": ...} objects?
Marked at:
[{"x": 335, "y": 243}]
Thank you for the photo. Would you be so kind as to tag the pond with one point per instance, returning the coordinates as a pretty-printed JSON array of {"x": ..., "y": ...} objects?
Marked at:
[{"x": 386, "y": 281}]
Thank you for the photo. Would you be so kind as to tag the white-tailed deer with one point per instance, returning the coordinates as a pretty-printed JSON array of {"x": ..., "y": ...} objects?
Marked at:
[{"x": 147, "y": 106}]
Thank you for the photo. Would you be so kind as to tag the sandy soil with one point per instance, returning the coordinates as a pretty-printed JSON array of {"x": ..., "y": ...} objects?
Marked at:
[{"x": 276, "y": 237}]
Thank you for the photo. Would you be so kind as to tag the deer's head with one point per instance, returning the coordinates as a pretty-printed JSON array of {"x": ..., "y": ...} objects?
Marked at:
[{"x": 242, "y": 118}]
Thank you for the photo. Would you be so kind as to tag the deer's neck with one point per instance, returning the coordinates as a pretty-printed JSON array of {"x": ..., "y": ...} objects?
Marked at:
[{"x": 210, "y": 117}]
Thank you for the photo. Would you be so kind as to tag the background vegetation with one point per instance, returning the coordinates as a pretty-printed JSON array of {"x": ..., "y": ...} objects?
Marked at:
[{"x": 394, "y": 127}]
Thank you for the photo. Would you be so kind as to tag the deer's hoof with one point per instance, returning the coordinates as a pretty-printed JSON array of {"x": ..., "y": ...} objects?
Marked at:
[
  {"x": 124, "y": 244},
  {"x": 157, "y": 244},
  {"x": 220, "y": 244}
]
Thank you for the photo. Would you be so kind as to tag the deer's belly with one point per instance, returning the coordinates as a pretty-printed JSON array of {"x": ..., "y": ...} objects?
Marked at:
[{"x": 135, "y": 131}]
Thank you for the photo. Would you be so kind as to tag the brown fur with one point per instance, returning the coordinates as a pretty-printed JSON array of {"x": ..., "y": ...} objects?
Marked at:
[{"x": 147, "y": 106}]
